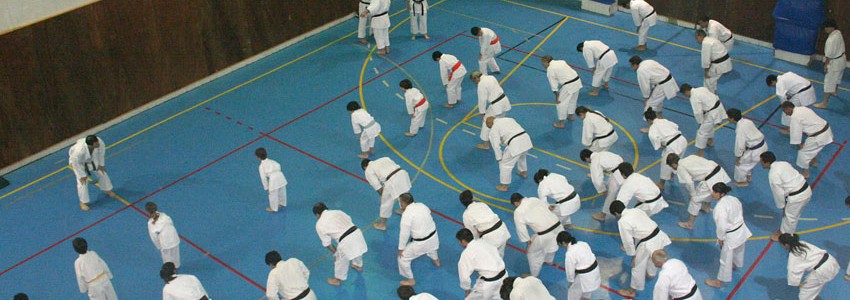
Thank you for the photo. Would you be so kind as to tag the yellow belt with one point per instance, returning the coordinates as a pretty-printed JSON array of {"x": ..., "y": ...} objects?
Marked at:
[{"x": 96, "y": 277}]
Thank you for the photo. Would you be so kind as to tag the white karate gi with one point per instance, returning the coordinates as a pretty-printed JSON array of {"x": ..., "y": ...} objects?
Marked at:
[
  {"x": 716, "y": 59},
  {"x": 708, "y": 112},
  {"x": 478, "y": 218},
  {"x": 597, "y": 133},
  {"x": 718, "y": 31},
  {"x": 452, "y": 73},
  {"x": 332, "y": 224},
  {"x": 836, "y": 61},
  {"x": 817, "y": 278},
  {"x": 579, "y": 256},
  {"x": 644, "y": 17},
  {"x": 634, "y": 226},
  {"x": 749, "y": 145},
  {"x": 423, "y": 296},
  {"x": 490, "y": 46},
  {"x": 663, "y": 134},
  {"x": 84, "y": 162},
  {"x": 366, "y": 128},
  {"x": 733, "y": 231},
  {"x": 601, "y": 59},
  {"x": 417, "y": 107},
  {"x": 380, "y": 21},
  {"x": 165, "y": 238},
  {"x": 650, "y": 75},
  {"x": 530, "y": 288},
  {"x": 93, "y": 277},
  {"x": 533, "y": 212},
  {"x": 418, "y": 16},
  {"x": 378, "y": 175},
  {"x": 641, "y": 187},
  {"x": 794, "y": 88},
  {"x": 184, "y": 287},
  {"x": 564, "y": 81},
  {"x": 805, "y": 120},
  {"x": 695, "y": 168},
  {"x": 416, "y": 223},
  {"x": 675, "y": 282},
  {"x": 567, "y": 200},
  {"x": 784, "y": 180},
  {"x": 479, "y": 256},
  {"x": 600, "y": 163},
  {"x": 289, "y": 278},
  {"x": 274, "y": 182},
  {"x": 492, "y": 102},
  {"x": 362, "y": 22},
  {"x": 508, "y": 132}
]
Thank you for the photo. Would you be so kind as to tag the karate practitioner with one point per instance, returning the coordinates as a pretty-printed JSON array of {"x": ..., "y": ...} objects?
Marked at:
[
  {"x": 640, "y": 236},
  {"x": 601, "y": 60},
  {"x": 163, "y": 235},
  {"x": 490, "y": 46},
  {"x": 181, "y": 287},
  {"x": 406, "y": 292},
  {"x": 708, "y": 112},
  {"x": 365, "y": 127},
  {"x": 363, "y": 22},
  {"x": 273, "y": 180},
  {"x": 479, "y": 256},
  {"x": 492, "y": 102},
  {"x": 664, "y": 134},
  {"x": 732, "y": 233},
  {"x": 794, "y": 88},
  {"x": 790, "y": 192},
  {"x": 804, "y": 120},
  {"x": 696, "y": 168},
  {"x": 93, "y": 275},
  {"x": 483, "y": 223},
  {"x": 602, "y": 163},
  {"x": 289, "y": 278},
  {"x": 565, "y": 83},
  {"x": 656, "y": 84},
  {"x": 715, "y": 60},
  {"x": 87, "y": 157},
  {"x": 597, "y": 133},
  {"x": 556, "y": 186},
  {"x": 644, "y": 17},
  {"x": 417, "y": 225},
  {"x": 542, "y": 245},
  {"x": 417, "y": 106},
  {"x": 635, "y": 185},
  {"x": 807, "y": 258},
  {"x": 674, "y": 280},
  {"x": 524, "y": 288},
  {"x": 716, "y": 30},
  {"x": 418, "y": 18},
  {"x": 749, "y": 144},
  {"x": 506, "y": 131},
  {"x": 581, "y": 267},
  {"x": 350, "y": 244},
  {"x": 379, "y": 19},
  {"x": 834, "y": 61},
  {"x": 390, "y": 181},
  {"x": 452, "y": 72}
]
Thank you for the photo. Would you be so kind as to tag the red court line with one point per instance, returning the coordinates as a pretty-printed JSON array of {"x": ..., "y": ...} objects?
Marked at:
[{"x": 767, "y": 247}]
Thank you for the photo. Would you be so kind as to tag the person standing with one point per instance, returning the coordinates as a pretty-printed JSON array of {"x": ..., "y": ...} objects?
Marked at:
[
  {"x": 715, "y": 60},
  {"x": 181, "y": 287},
  {"x": 790, "y": 192},
  {"x": 483, "y": 223},
  {"x": 641, "y": 237},
  {"x": 565, "y": 83},
  {"x": 581, "y": 267},
  {"x": 506, "y": 131},
  {"x": 556, "y": 186},
  {"x": 365, "y": 127},
  {"x": 600, "y": 164},
  {"x": 418, "y": 18},
  {"x": 804, "y": 120},
  {"x": 716, "y": 30},
  {"x": 542, "y": 245},
  {"x": 390, "y": 181},
  {"x": 696, "y": 168},
  {"x": 674, "y": 280},
  {"x": 350, "y": 244},
  {"x": 452, "y": 72},
  {"x": 644, "y": 17},
  {"x": 749, "y": 144},
  {"x": 601, "y": 60},
  {"x": 289, "y": 278},
  {"x": 732, "y": 233},
  {"x": 273, "y": 180},
  {"x": 416, "y": 104},
  {"x": 708, "y": 112},
  {"x": 93, "y": 275},
  {"x": 417, "y": 225},
  {"x": 490, "y": 46},
  {"x": 807, "y": 258},
  {"x": 87, "y": 156},
  {"x": 163, "y": 235},
  {"x": 377, "y": 11},
  {"x": 492, "y": 102},
  {"x": 834, "y": 61},
  {"x": 363, "y": 22},
  {"x": 479, "y": 256}
]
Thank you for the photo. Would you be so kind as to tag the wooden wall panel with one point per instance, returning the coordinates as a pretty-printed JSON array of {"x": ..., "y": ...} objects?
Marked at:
[{"x": 751, "y": 18}]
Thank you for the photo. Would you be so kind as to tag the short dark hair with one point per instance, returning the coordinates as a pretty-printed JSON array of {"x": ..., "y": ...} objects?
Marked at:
[
  {"x": 91, "y": 139},
  {"x": 151, "y": 207},
  {"x": 405, "y": 84},
  {"x": 585, "y": 154},
  {"x": 566, "y": 237},
  {"x": 770, "y": 79},
  {"x": 685, "y": 88},
  {"x": 516, "y": 198},
  {"x": 21, "y": 296},
  {"x": 582, "y": 110},
  {"x": 704, "y": 19},
  {"x": 672, "y": 158},
  {"x": 580, "y": 47},
  {"x": 365, "y": 163},
  {"x": 405, "y": 198},
  {"x": 475, "y": 30},
  {"x": 830, "y": 23},
  {"x": 273, "y": 257},
  {"x": 261, "y": 153},
  {"x": 542, "y": 173},
  {"x": 167, "y": 272},
  {"x": 507, "y": 288},
  {"x": 464, "y": 235},
  {"x": 405, "y": 292},
  {"x": 701, "y": 33},
  {"x": 80, "y": 245},
  {"x": 436, "y": 55},
  {"x": 318, "y": 208},
  {"x": 650, "y": 114},
  {"x": 546, "y": 58},
  {"x": 721, "y": 188},
  {"x": 626, "y": 169},
  {"x": 768, "y": 157},
  {"x": 617, "y": 207},
  {"x": 847, "y": 200},
  {"x": 734, "y": 114},
  {"x": 352, "y": 106},
  {"x": 635, "y": 60},
  {"x": 787, "y": 104},
  {"x": 466, "y": 197}
]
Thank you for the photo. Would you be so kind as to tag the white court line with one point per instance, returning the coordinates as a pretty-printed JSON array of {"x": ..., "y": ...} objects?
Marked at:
[
  {"x": 442, "y": 121},
  {"x": 532, "y": 155},
  {"x": 676, "y": 202},
  {"x": 385, "y": 83},
  {"x": 807, "y": 219},
  {"x": 845, "y": 219},
  {"x": 563, "y": 166},
  {"x": 376, "y": 70},
  {"x": 399, "y": 96},
  {"x": 763, "y": 216},
  {"x": 470, "y": 132}
]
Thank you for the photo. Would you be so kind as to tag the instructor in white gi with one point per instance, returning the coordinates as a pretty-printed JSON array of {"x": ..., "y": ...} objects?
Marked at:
[
  {"x": 418, "y": 18},
  {"x": 708, "y": 112},
  {"x": 417, "y": 236},
  {"x": 602, "y": 163},
  {"x": 696, "y": 168},
  {"x": 517, "y": 142},
  {"x": 417, "y": 106},
  {"x": 390, "y": 181},
  {"x": 834, "y": 61},
  {"x": 732, "y": 233},
  {"x": 565, "y": 83},
  {"x": 350, "y": 244},
  {"x": 790, "y": 192},
  {"x": 492, "y": 102},
  {"x": 601, "y": 59},
  {"x": 749, "y": 144},
  {"x": 483, "y": 223},
  {"x": 479, "y": 256},
  {"x": 490, "y": 46},
  {"x": 674, "y": 280},
  {"x": 640, "y": 236},
  {"x": 363, "y": 22},
  {"x": 715, "y": 60},
  {"x": 93, "y": 275},
  {"x": 378, "y": 10},
  {"x": 289, "y": 278},
  {"x": 163, "y": 235},
  {"x": 597, "y": 133},
  {"x": 452, "y": 72},
  {"x": 273, "y": 180},
  {"x": 804, "y": 120},
  {"x": 87, "y": 156},
  {"x": 542, "y": 245}
]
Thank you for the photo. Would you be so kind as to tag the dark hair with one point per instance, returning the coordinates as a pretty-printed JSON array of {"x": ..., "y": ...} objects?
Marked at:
[
  {"x": 580, "y": 47},
  {"x": 672, "y": 158},
  {"x": 150, "y": 207},
  {"x": 91, "y": 139},
  {"x": 507, "y": 288},
  {"x": 721, "y": 188},
  {"x": 167, "y": 272},
  {"x": 516, "y": 198},
  {"x": 405, "y": 84},
  {"x": 704, "y": 19},
  {"x": 625, "y": 169},
  {"x": 546, "y": 58},
  {"x": 585, "y": 154},
  {"x": 787, "y": 104},
  {"x": 617, "y": 207},
  {"x": 565, "y": 237},
  {"x": 352, "y": 106},
  {"x": 261, "y": 153},
  {"x": 770, "y": 79},
  {"x": 21, "y": 296},
  {"x": 685, "y": 88},
  {"x": 318, "y": 208},
  {"x": 464, "y": 235},
  {"x": 635, "y": 60},
  {"x": 436, "y": 55},
  {"x": 650, "y": 114},
  {"x": 80, "y": 245},
  {"x": 542, "y": 173},
  {"x": 793, "y": 242},
  {"x": 830, "y": 23},
  {"x": 475, "y": 30},
  {"x": 582, "y": 110},
  {"x": 701, "y": 33},
  {"x": 466, "y": 197},
  {"x": 365, "y": 163},
  {"x": 273, "y": 257},
  {"x": 847, "y": 200},
  {"x": 405, "y": 198},
  {"x": 734, "y": 114},
  {"x": 405, "y": 292},
  {"x": 768, "y": 157}
]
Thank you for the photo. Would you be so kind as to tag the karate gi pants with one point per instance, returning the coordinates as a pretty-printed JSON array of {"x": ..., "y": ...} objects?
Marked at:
[
  {"x": 414, "y": 250},
  {"x": 498, "y": 238},
  {"x": 488, "y": 62},
  {"x": 506, "y": 165},
  {"x": 747, "y": 162},
  {"x": 814, "y": 282},
  {"x": 486, "y": 290},
  {"x": 277, "y": 198},
  {"x": 703, "y": 195},
  {"x": 171, "y": 255},
  {"x": 418, "y": 24},
  {"x": 363, "y": 22},
  {"x": 710, "y": 82},
  {"x": 811, "y": 147},
  {"x": 418, "y": 119},
  {"x": 102, "y": 289},
  {"x": 453, "y": 89},
  {"x": 568, "y": 102},
  {"x": 542, "y": 249},
  {"x": 730, "y": 257},
  {"x": 83, "y": 188},
  {"x": 342, "y": 263},
  {"x": 704, "y": 133},
  {"x": 792, "y": 213},
  {"x": 643, "y": 263},
  {"x": 382, "y": 37},
  {"x": 643, "y": 32},
  {"x": 564, "y": 215},
  {"x": 575, "y": 292},
  {"x": 387, "y": 204},
  {"x": 603, "y": 144},
  {"x": 655, "y": 101},
  {"x": 366, "y": 142},
  {"x": 832, "y": 78},
  {"x": 611, "y": 193},
  {"x": 601, "y": 75}
]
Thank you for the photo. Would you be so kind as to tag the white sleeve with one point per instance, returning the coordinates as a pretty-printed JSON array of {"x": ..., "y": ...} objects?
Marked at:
[
  {"x": 271, "y": 288},
  {"x": 553, "y": 80},
  {"x": 496, "y": 143},
  {"x": 570, "y": 269},
  {"x": 697, "y": 108},
  {"x": 588, "y": 57},
  {"x": 153, "y": 234},
  {"x": 645, "y": 88},
  {"x": 467, "y": 223},
  {"x": 795, "y": 272},
  {"x": 720, "y": 221},
  {"x": 263, "y": 178},
  {"x": 628, "y": 241},
  {"x": 597, "y": 175},
  {"x": 686, "y": 180},
  {"x": 444, "y": 73},
  {"x": 636, "y": 15},
  {"x": 482, "y": 99},
  {"x": 740, "y": 141},
  {"x": 404, "y": 230},
  {"x": 303, "y": 269},
  {"x": 77, "y": 166},
  {"x": 354, "y": 124},
  {"x": 778, "y": 192},
  {"x": 706, "y": 55},
  {"x": 100, "y": 155},
  {"x": 81, "y": 282},
  {"x": 325, "y": 238},
  {"x": 587, "y": 132},
  {"x": 409, "y": 102},
  {"x": 372, "y": 178},
  {"x": 521, "y": 229},
  {"x": 464, "y": 271},
  {"x": 662, "y": 288},
  {"x": 795, "y": 131}
]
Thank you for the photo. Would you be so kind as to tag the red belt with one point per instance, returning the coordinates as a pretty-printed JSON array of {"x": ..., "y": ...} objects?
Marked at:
[
  {"x": 454, "y": 68},
  {"x": 421, "y": 102},
  {"x": 494, "y": 41}
]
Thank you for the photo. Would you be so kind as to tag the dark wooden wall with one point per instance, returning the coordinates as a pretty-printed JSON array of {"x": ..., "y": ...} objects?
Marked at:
[{"x": 70, "y": 73}]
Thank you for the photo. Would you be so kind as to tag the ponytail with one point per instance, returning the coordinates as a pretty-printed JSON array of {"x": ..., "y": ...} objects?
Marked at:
[
  {"x": 565, "y": 237},
  {"x": 792, "y": 240},
  {"x": 721, "y": 188}
]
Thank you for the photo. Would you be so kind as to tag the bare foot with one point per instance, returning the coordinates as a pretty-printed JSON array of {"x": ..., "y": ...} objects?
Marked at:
[
  {"x": 714, "y": 283},
  {"x": 398, "y": 211},
  {"x": 847, "y": 277},
  {"x": 814, "y": 162},
  {"x": 820, "y": 105},
  {"x": 559, "y": 124},
  {"x": 784, "y": 131},
  {"x": 449, "y": 105},
  {"x": 363, "y": 155},
  {"x": 334, "y": 281},
  {"x": 599, "y": 217},
  {"x": 502, "y": 187},
  {"x": 710, "y": 142},
  {"x": 372, "y": 150},
  {"x": 641, "y": 48},
  {"x": 659, "y": 185},
  {"x": 522, "y": 174},
  {"x": 605, "y": 85},
  {"x": 409, "y": 134},
  {"x": 806, "y": 174},
  {"x": 111, "y": 194},
  {"x": 427, "y": 37},
  {"x": 84, "y": 206},
  {"x": 269, "y": 209},
  {"x": 627, "y": 293},
  {"x": 436, "y": 262},
  {"x": 775, "y": 236},
  {"x": 357, "y": 268},
  {"x": 686, "y": 225},
  {"x": 706, "y": 208},
  {"x": 571, "y": 118},
  {"x": 381, "y": 52},
  {"x": 364, "y": 41},
  {"x": 408, "y": 282},
  {"x": 742, "y": 184},
  {"x": 749, "y": 178},
  {"x": 593, "y": 93},
  {"x": 482, "y": 146},
  {"x": 568, "y": 226},
  {"x": 379, "y": 226},
  {"x": 644, "y": 130}
]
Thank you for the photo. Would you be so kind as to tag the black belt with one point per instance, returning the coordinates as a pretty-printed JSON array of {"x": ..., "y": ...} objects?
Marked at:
[
  {"x": 729, "y": 39},
  {"x": 822, "y": 130},
  {"x": 669, "y": 77},
  {"x": 756, "y": 146},
  {"x": 721, "y": 59},
  {"x": 494, "y": 278},
  {"x": 822, "y": 260},
  {"x": 690, "y": 294},
  {"x": 837, "y": 57},
  {"x": 346, "y": 233},
  {"x": 391, "y": 174},
  {"x": 380, "y": 14},
  {"x": 367, "y": 3},
  {"x": 421, "y": 7},
  {"x": 550, "y": 229},
  {"x": 599, "y": 114},
  {"x": 670, "y": 141},
  {"x": 802, "y": 189},
  {"x": 736, "y": 228},
  {"x": 603, "y": 53},
  {"x": 602, "y": 136},
  {"x": 801, "y": 90},
  {"x": 93, "y": 168},
  {"x": 302, "y": 295},
  {"x": 570, "y": 81},
  {"x": 567, "y": 198},
  {"x": 648, "y": 237},
  {"x": 491, "y": 229},
  {"x": 588, "y": 269},
  {"x": 426, "y": 237},
  {"x": 713, "y": 172},
  {"x": 512, "y": 138},
  {"x": 716, "y": 105},
  {"x": 502, "y": 96},
  {"x": 650, "y": 201},
  {"x": 648, "y": 15}
]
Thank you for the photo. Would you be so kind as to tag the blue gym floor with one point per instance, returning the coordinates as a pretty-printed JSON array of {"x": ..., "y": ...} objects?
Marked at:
[{"x": 194, "y": 157}]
